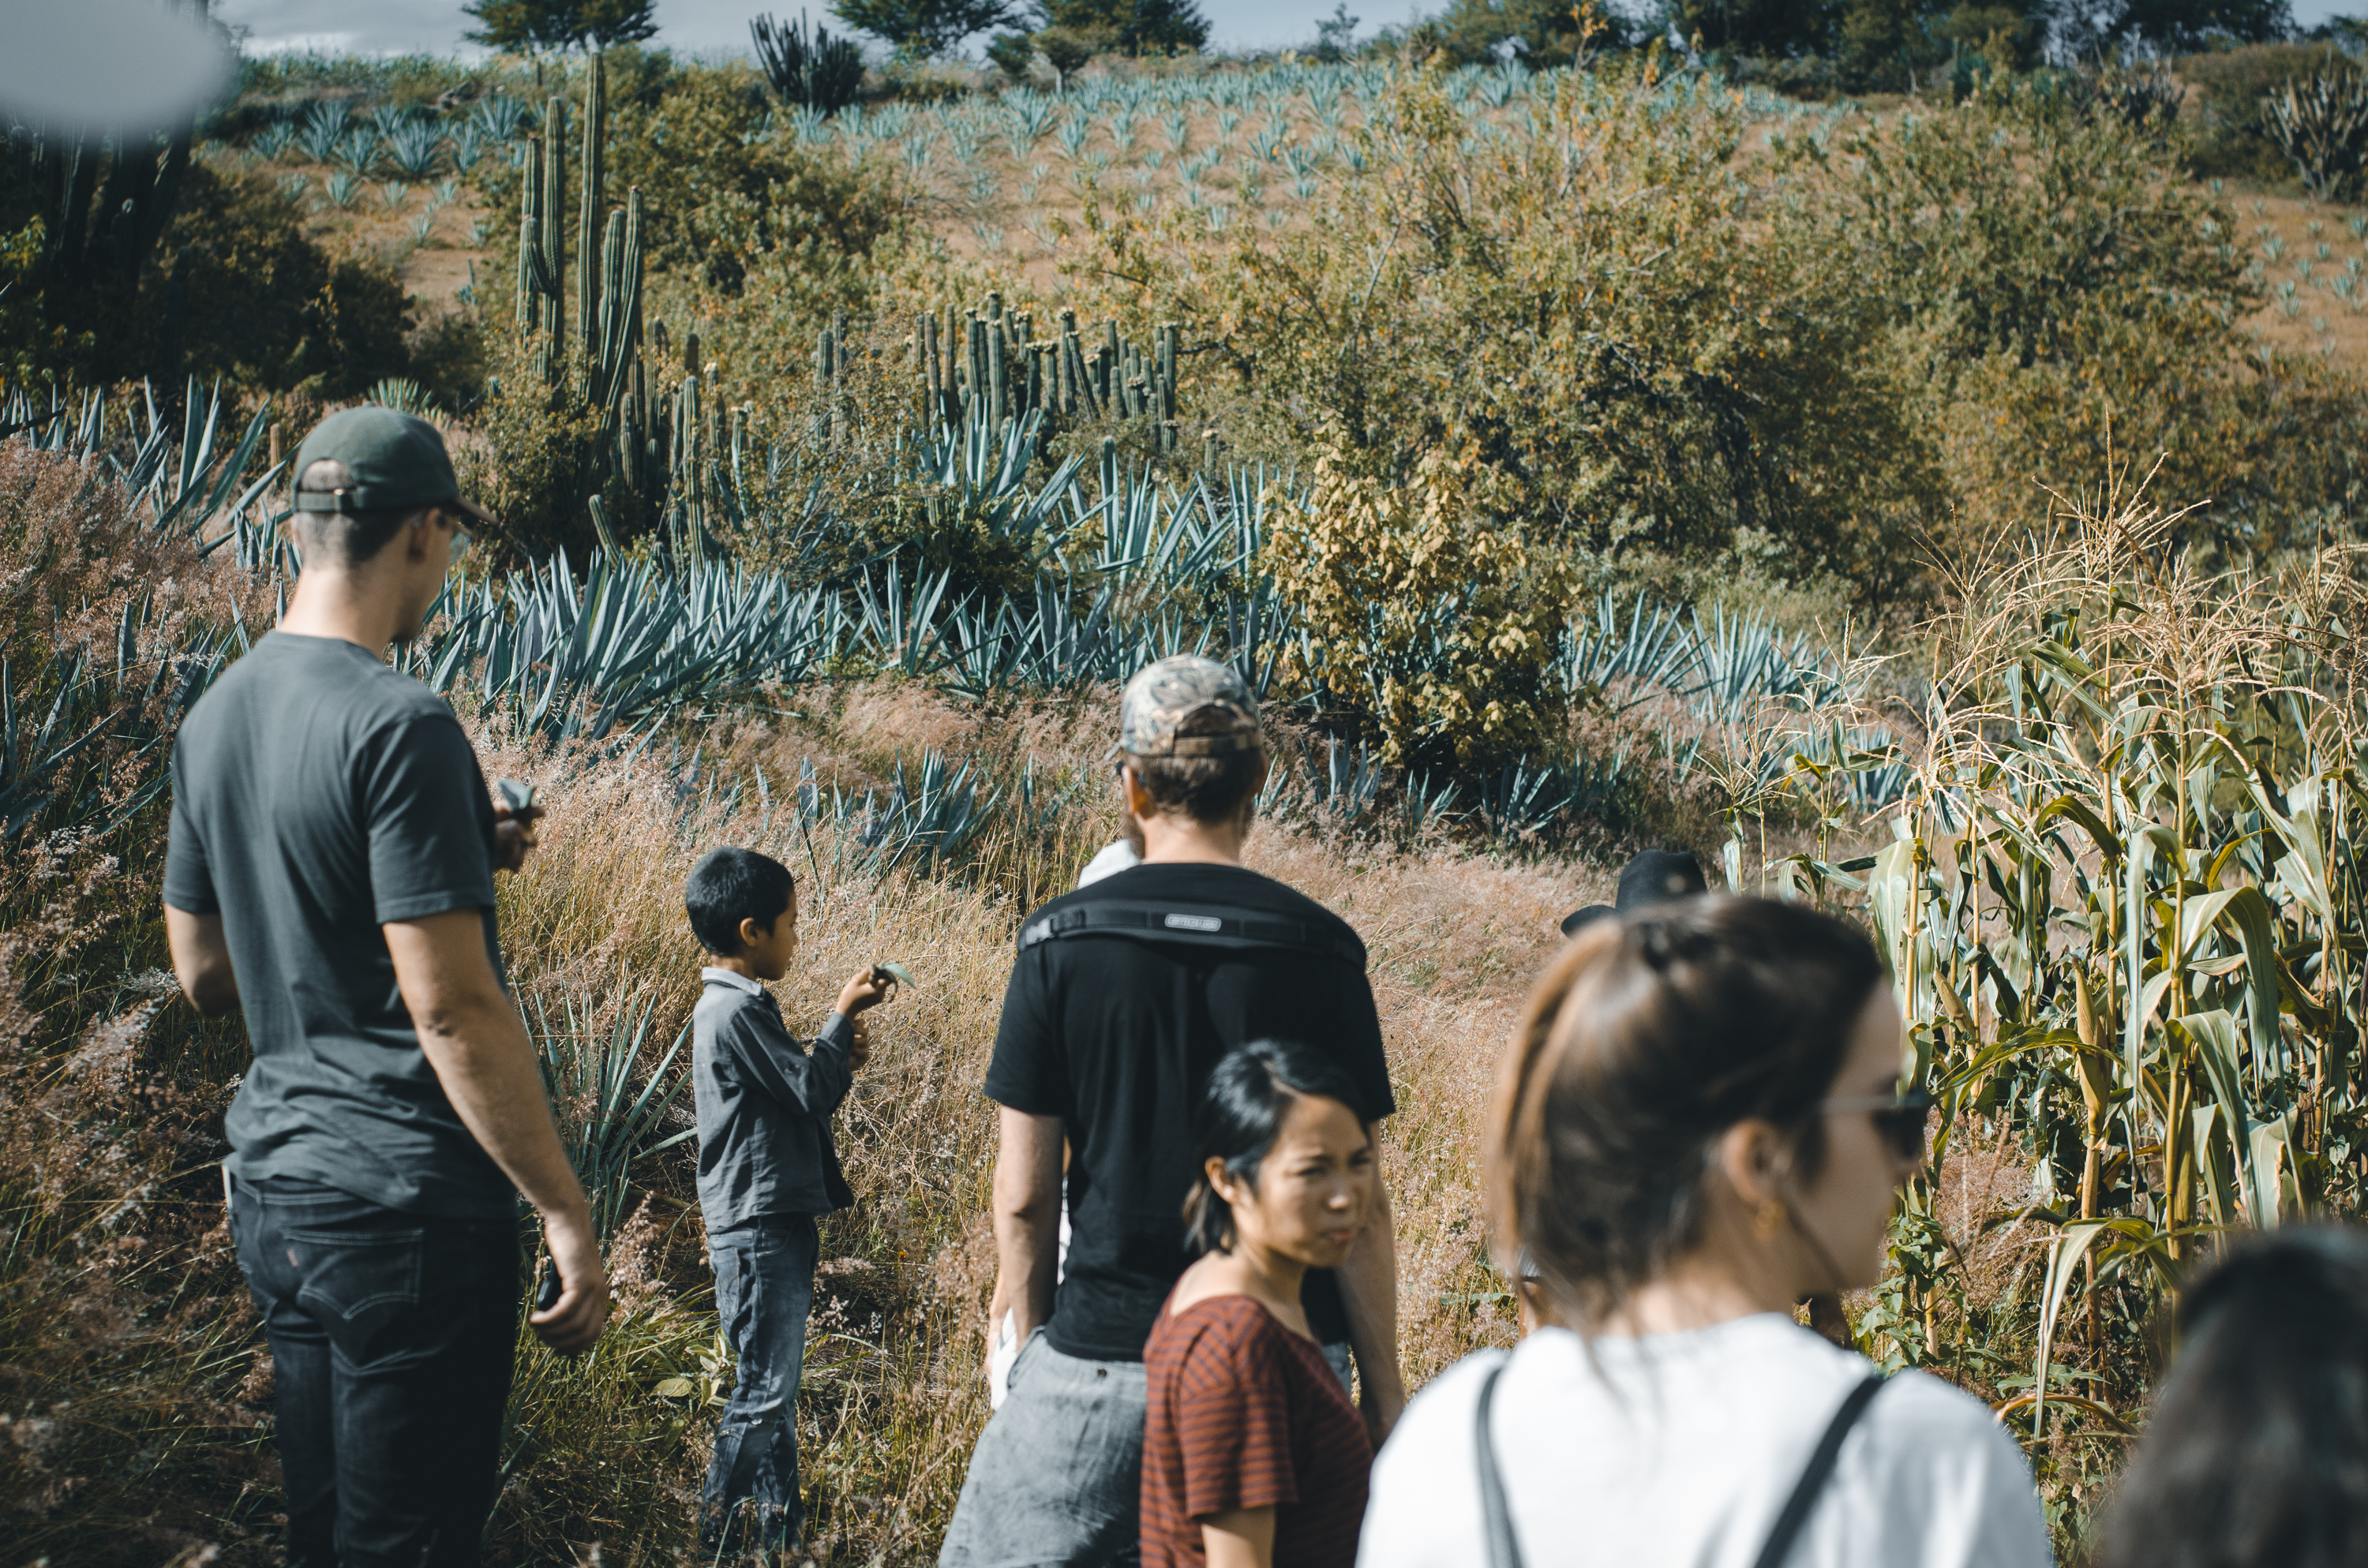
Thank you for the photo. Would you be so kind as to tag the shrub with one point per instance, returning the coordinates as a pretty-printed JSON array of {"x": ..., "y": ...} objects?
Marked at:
[
  {"x": 723, "y": 198},
  {"x": 2234, "y": 84},
  {"x": 1610, "y": 316},
  {"x": 1430, "y": 610},
  {"x": 2058, "y": 294}
]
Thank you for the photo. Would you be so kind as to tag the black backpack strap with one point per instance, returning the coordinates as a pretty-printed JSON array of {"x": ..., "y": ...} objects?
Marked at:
[
  {"x": 1497, "y": 1518},
  {"x": 1819, "y": 1470},
  {"x": 1194, "y": 925}
]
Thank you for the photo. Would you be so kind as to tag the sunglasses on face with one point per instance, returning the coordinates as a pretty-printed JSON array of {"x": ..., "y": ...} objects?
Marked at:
[{"x": 1898, "y": 1119}]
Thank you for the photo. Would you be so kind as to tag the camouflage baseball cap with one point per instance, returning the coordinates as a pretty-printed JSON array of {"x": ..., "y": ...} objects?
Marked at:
[
  {"x": 392, "y": 461},
  {"x": 1162, "y": 696}
]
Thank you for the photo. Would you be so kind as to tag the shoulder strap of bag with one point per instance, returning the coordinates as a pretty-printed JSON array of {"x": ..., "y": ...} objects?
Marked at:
[
  {"x": 1503, "y": 1551},
  {"x": 1196, "y": 925},
  {"x": 1813, "y": 1477}
]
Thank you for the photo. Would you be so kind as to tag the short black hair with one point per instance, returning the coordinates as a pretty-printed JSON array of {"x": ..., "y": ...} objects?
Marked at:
[
  {"x": 1241, "y": 1114},
  {"x": 728, "y": 886},
  {"x": 2258, "y": 1448},
  {"x": 355, "y": 537}
]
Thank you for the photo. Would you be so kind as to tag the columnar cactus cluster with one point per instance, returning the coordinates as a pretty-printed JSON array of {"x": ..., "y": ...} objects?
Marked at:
[
  {"x": 1066, "y": 377},
  {"x": 659, "y": 442}
]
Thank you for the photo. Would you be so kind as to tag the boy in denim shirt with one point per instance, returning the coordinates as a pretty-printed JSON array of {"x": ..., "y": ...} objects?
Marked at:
[{"x": 767, "y": 1168}]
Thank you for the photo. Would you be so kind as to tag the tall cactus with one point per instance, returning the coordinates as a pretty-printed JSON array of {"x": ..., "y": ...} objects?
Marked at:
[
  {"x": 991, "y": 362},
  {"x": 614, "y": 382}
]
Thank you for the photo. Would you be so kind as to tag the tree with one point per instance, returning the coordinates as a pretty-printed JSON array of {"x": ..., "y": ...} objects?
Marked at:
[
  {"x": 1776, "y": 28},
  {"x": 924, "y": 26},
  {"x": 1138, "y": 27},
  {"x": 529, "y": 25}
]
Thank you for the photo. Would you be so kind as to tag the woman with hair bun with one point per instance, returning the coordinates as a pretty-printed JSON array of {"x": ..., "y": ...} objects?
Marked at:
[
  {"x": 1698, "y": 1124},
  {"x": 1252, "y": 1455}
]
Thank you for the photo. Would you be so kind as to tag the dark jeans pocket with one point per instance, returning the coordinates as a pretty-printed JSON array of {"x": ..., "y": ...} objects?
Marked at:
[{"x": 357, "y": 1283}]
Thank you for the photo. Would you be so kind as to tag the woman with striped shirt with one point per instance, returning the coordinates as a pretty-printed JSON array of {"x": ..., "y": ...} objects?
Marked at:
[{"x": 1253, "y": 1455}]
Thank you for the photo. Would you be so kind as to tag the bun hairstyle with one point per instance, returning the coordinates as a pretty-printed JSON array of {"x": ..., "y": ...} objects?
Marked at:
[
  {"x": 1242, "y": 1111},
  {"x": 1649, "y": 1037}
]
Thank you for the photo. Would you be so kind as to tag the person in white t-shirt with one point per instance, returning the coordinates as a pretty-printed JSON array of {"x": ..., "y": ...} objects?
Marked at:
[{"x": 1696, "y": 1125}]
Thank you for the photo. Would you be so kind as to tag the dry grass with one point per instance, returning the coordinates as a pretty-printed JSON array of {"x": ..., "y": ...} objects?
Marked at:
[{"x": 894, "y": 1396}]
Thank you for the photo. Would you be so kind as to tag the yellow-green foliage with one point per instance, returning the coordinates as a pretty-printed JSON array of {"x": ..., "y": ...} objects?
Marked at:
[
  {"x": 1610, "y": 310},
  {"x": 1428, "y": 603}
]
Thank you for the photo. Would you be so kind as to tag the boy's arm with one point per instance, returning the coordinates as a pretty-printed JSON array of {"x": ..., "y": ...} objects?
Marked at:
[{"x": 813, "y": 1081}]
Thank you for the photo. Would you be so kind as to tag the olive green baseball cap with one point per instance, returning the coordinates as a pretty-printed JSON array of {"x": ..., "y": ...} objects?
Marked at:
[{"x": 392, "y": 461}]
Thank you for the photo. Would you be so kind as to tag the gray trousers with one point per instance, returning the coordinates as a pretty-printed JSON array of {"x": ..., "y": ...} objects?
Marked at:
[{"x": 1057, "y": 1475}]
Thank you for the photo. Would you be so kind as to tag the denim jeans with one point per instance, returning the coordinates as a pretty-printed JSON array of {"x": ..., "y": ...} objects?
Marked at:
[
  {"x": 764, "y": 1288},
  {"x": 1057, "y": 1475},
  {"x": 392, "y": 1335}
]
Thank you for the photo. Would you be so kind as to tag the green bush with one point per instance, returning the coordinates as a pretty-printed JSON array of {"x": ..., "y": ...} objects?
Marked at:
[
  {"x": 236, "y": 288},
  {"x": 1614, "y": 316},
  {"x": 2233, "y": 85},
  {"x": 725, "y": 201}
]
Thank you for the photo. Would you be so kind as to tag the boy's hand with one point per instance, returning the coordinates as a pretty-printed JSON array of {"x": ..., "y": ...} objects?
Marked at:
[
  {"x": 859, "y": 1042},
  {"x": 866, "y": 990},
  {"x": 513, "y": 835}
]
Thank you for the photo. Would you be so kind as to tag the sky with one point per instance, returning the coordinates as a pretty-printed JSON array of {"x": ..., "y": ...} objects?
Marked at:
[{"x": 434, "y": 26}]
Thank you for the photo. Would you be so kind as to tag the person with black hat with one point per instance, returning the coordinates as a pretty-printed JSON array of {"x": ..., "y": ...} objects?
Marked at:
[
  {"x": 330, "y": 875},
  {"x": 1654, "y": 877}
]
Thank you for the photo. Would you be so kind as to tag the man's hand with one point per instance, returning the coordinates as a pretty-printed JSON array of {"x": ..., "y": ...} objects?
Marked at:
[
  {"x": 472, "y": 1037},
  {"x": 201, "y": 962},
  {"x": 574, "y": 1320},
  {"x": 513, "y": 835}
]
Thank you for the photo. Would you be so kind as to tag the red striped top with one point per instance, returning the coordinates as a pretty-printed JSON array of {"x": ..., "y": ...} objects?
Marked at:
[{"x": 1243, "y": 1413}]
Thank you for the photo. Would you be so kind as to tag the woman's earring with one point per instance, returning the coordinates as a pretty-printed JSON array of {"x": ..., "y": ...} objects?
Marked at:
[{"x": 1771, "y": 1218}]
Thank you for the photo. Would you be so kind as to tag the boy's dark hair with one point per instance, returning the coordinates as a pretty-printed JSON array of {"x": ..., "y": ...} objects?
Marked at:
[
  {"x": 2258, "y": 1448},
  {"x": 353, "y": 537},
  {"x": 728, "y": 886},
  {"x": 1205, "y": 789},
  {"x": 1241, "y": 1112}
]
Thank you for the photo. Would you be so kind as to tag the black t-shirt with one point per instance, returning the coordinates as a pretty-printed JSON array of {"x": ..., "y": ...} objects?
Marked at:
[
  {"x": 1117, "y": 1036},
  {"x": 318, "y": 794}
]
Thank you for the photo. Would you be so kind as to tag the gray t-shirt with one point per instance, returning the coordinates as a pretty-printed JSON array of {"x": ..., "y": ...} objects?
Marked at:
[{"x": 318, "y": 794}]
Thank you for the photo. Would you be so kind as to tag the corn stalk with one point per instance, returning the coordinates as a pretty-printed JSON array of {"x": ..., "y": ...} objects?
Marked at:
[{"x": 2123, "y": 907}]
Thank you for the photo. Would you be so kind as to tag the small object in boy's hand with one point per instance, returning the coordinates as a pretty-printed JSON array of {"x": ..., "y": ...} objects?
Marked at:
[
  {"x": 516, "y": 796},
  {"x": 881, "y": 973},
  {"x": 546, "y": 1294}
]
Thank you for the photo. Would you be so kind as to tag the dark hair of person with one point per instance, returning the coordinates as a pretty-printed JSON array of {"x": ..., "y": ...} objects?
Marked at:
[
  {"x": 2257, "y": 1452},
  {"x": 1242, "y": 1113},
  {"x": 1205, "y": 789},
  {"x": 728, "y": 886},
  {"x": 1649, "y": 1037},
  {"x": 355, "y": 537}
]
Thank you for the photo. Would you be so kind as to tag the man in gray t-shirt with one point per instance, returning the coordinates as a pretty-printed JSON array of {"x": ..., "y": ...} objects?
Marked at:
[{"x": 331, "y": 876}]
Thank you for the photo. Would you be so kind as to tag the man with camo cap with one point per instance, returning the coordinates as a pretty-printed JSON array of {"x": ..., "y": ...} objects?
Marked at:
[{"x": 1123, "y": 996}]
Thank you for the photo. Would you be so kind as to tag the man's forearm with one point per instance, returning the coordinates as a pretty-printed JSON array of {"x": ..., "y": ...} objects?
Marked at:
[
  {"x": 1027, "y": 1250},
  {"x": 485, "y": 1063},
  {"x": 1369, "y": 1293}
]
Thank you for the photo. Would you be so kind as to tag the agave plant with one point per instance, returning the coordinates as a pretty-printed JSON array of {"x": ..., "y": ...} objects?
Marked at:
[
  {"x": 411, "y": 147},
  {"x": 2321, "y": 125},
  {"x": 501, "y": 118},
  {"x": 611, "y": 1105},
  {"x": 325, "y": 128}
]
